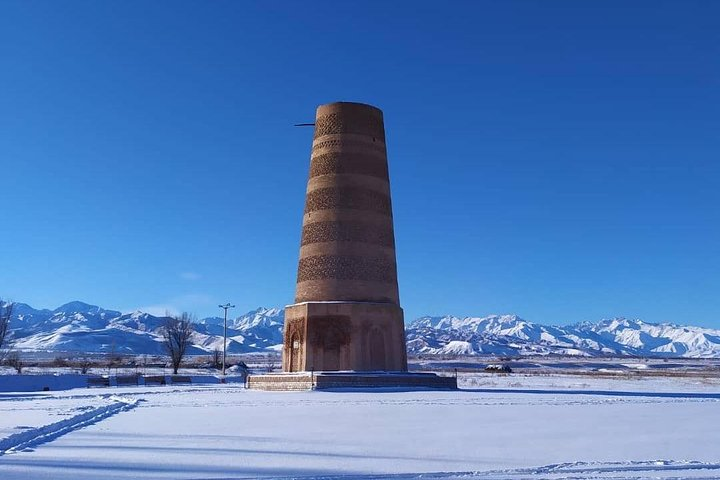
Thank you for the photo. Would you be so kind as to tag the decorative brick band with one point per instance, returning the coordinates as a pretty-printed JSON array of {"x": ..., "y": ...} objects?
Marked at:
[
  {"x": 343, "y": 163},
  {"x": 334, "y": 123},
  {"x": 342, "y": 143},
  {"x": 347, "y": 232},
  {"x": 347, "y": 267},
  {"x": 355, "y": 198}
]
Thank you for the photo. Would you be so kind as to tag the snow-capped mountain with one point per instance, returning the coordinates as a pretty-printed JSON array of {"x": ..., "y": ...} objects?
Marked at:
[
  {"x": 669, "y": 339},
  {"x": 80, "y": 327},
  {"x": 511, "y": 335}
]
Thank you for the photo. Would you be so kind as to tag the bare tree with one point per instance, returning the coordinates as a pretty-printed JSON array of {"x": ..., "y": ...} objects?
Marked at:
[
  {"x": 60, "y": 362},
  {"x": 6, "y": 311},
  {"x": 84, "y": 365},
  {"x": 143, "y": 362},
  {"x": 177, "y": 333},
  {"x": 271, "y": 363},
  {"x": 217, "y": 358},
  {"x": 13, "y": 360}
]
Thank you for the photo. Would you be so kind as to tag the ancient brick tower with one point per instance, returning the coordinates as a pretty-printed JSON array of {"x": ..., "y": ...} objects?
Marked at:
[{"x": 347, "y": 313}]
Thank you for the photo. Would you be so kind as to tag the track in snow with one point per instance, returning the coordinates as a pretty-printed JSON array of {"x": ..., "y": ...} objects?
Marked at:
[
  {"x": 29, "y": 438},
  {"x": 624, "y": 470},
  {"x": 631, "y": 470}
]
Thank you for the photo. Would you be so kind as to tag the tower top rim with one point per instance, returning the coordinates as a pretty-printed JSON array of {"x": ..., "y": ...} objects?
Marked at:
[{"x": 341, "y": 104}]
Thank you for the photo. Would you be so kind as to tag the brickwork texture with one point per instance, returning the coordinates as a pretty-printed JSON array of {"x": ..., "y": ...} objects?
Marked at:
[{"x": 347, "y": 253}]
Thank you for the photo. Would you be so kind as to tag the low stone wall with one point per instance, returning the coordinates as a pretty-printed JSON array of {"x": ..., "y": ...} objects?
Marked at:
[
  {"x": 57, "y": 382},
  {"x": 327, "y": 381},
  {"x": 422, "y": 380},
  {"x": 280, "y": 382}
]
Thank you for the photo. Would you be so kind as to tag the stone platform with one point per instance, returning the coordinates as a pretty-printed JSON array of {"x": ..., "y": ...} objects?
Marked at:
[{"x": 359, "y": 380}]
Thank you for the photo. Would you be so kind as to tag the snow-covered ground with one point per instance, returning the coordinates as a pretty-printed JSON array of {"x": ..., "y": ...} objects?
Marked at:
[{"x": 508, "y": 427}]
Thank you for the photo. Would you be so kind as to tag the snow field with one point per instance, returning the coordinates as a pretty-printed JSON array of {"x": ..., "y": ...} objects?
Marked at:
[
  {"x": 590, "y": 382},
  {"x": 229, "y": 432}
]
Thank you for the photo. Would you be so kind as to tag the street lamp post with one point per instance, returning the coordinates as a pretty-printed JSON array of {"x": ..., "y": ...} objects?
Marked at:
[{"x": 225, "y": 307}]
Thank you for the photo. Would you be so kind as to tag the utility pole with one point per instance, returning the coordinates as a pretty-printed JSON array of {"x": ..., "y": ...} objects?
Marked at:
[{"x": 225, "y": 307}]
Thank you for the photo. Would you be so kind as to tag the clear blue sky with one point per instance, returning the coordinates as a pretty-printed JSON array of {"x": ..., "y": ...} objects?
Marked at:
[{"x": 558, "y": 160}]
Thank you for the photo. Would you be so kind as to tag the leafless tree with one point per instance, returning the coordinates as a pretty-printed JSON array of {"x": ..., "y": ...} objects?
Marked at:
[
  {"x": 143, "y": 362},
  {"x": 60, "y": 362},
  {"x": 271, "y": 362},
  {"x": 177, "y": 333},
  {"x": 6, "y": 311},
  {"x": 84, "y": 365},
  {"x": 13, "y": 360},
  {"x": 217, "y": 358},
  {"x": 114, "y": 358}
]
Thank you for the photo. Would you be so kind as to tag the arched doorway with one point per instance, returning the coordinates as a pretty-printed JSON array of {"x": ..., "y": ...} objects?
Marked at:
[{"x": 295, "y": 353}]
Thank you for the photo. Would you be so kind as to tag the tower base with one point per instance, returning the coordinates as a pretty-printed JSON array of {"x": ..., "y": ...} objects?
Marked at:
[
  {"x": 344, "y": 336},
  {"x": 350, "y": 380}
]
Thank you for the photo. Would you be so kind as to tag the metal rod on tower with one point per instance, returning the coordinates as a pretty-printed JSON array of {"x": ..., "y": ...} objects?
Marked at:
[{"x": 225, "y": 307}]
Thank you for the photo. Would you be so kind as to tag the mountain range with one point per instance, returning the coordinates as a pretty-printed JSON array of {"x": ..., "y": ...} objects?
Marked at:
[
  {"x": 80, "y": 327},
  {"x": 510, "y": 335}
]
